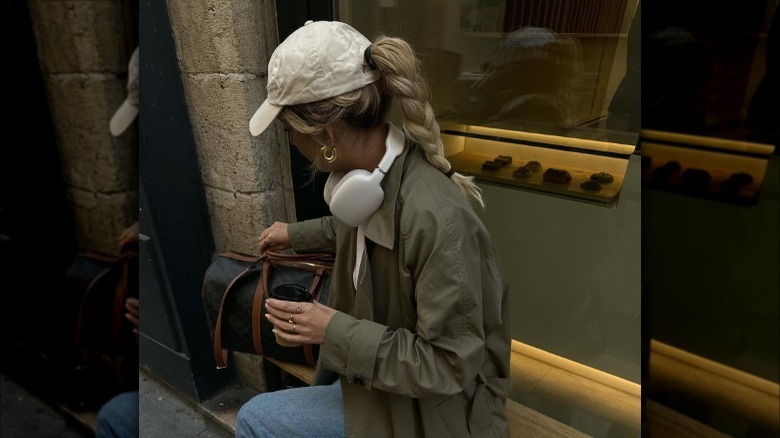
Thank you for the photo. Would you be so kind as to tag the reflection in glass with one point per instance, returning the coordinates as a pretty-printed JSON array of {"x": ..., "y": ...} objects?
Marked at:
[
  {"x": 529, "y": 79},
  {"x": 709, "y": 218}
]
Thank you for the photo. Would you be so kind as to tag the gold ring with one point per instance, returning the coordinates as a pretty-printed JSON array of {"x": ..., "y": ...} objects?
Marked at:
[
  {"x": 294, "y": 329},
  {"x": 298, "y": 308}
]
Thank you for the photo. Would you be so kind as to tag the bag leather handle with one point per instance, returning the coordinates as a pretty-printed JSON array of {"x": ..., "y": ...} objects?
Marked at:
[
  {"x": 316, "y": 286},
  {"x": 311, "y": 256},
  {"x": 221, "y": 354},
  {"x": 120, "y": 294},
  {"x": 261, "y": 292},
  {"x": 79, "y": 336}
]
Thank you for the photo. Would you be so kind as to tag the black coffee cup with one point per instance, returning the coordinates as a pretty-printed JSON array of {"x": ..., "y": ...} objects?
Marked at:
[{"x": 291, "y": 292}]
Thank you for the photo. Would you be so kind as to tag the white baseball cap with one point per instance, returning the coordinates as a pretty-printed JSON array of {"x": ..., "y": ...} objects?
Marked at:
[
  {"x": 127, "y": 112},
  {"x": 320, "y": 60}
]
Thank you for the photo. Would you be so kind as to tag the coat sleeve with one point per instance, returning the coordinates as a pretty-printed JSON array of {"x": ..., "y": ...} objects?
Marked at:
[
  {"x": 313, "y": 235},
  {"x": 441, "y": 244}
]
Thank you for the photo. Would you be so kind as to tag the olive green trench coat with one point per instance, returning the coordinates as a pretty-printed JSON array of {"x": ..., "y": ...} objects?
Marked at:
[{"x": 422, "y": 346}]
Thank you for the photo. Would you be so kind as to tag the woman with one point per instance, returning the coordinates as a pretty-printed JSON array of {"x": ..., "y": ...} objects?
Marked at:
[{"x": 415, "y": 339}]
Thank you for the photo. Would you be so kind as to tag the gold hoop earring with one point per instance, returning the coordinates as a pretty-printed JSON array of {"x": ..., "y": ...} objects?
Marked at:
[{"x": 328, "y": 157}]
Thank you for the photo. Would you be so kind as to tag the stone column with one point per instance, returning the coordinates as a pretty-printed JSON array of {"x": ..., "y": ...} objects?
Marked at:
[
  {"x": 223, "y": 50},
  {"x": 83, "y": 54}
]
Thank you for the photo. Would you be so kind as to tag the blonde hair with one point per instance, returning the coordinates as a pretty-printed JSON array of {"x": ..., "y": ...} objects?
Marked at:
[{"x": 367, "y": 107}]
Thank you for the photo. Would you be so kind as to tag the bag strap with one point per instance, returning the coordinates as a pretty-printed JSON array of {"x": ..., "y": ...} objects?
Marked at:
[
  {"x": 307, "y": 261},
  {"x": 79, "y": 336},
  {"x": 317, "y": 286},
  {"x": 306, "y": 257},
  {"x": 120, "y": 294},
  {"x": 121, "y": 291},
  {"x": 261, "y": 292},
  {"x": 221, "y": 354}
]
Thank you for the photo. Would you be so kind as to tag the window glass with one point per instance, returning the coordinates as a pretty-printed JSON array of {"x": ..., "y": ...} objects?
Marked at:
[
  {"x": 558, "y": 67},
  {"x": 548, "y": 84},
  {"x": 520, "y": 88}
]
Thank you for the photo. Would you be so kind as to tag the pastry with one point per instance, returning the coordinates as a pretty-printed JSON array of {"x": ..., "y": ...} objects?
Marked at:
[
  {"x": 741, "y": 178},
  {"x": 665, "y": 172},
  {"x": 696, "y": 179},
  {"x": 534, "y": 165},
  {"x": 730, "y": 186},
  {"x": 673, "y": 166},
  {"x": 522, "y": 172},
  {"x": 558, "y": 176},
  {"x": 736, "y": 181},
  {"x": 602, "y": 177},
  {"x": 491, "y": 165},
  {"x": 591, "y": 185},
  {"x": 504, "y": 160}
]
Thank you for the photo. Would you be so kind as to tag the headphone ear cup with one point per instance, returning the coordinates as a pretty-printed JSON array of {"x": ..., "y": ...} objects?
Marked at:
[
  {"x": 343, "y": 180},
  {"x": 356, "y": 197},
  {"x": 330, "y": 185}
]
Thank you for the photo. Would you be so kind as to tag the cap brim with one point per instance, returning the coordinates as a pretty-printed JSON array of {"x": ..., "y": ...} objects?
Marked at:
[
  {"x": 122, "y": 118},
  {"x": 263, "y": 117}
]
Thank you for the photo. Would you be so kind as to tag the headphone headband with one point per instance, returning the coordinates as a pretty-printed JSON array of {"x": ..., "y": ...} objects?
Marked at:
[{"x": 353, "y": 198}]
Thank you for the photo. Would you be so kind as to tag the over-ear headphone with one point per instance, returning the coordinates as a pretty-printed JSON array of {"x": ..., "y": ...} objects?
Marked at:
[{"x": 357, "y": 195}]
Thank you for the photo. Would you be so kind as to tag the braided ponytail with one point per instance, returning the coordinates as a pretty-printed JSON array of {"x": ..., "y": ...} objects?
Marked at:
[{"x": 403, "y": 79}]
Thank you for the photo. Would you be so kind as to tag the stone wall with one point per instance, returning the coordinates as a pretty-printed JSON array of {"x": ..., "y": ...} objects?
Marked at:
[
  {"x": 223, "y": 50},
  {"x": 83, "y": 51}
]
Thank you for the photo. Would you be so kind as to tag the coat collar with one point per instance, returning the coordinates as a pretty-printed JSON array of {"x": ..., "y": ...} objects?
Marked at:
[{"x": 380, "y": 228}]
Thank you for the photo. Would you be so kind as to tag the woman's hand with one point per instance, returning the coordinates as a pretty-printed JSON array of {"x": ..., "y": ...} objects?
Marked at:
[
  {"x": 299, "y": 323},
  {"x": 129, "y": 235},
  {"x": 133, "y": 313},
  {"x": 274, "y": 238}
]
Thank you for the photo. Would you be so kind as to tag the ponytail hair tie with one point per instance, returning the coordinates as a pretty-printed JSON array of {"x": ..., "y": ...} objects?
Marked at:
[
  {"x": 450, "y": 172},
  {"x": 369, "y": 60}
]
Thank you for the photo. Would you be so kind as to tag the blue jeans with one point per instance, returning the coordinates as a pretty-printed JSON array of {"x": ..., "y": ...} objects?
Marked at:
[
  {"x": 313, "y": 411},
  {"x": 118, "y": 417}
]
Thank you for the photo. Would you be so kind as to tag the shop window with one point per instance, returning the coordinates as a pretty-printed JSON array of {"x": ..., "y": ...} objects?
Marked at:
[
  {"x": 539, "y": 101},
  {"x": 537, "y": 82}
]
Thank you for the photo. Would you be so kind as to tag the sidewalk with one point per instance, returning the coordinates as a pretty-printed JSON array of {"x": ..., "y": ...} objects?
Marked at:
[
  {"x": 163, "y": 413},
  {"x": 23, "y": 414}
]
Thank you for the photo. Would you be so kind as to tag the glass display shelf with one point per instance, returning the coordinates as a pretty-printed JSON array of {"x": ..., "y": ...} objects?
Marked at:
[
  {"x": 584, "y": 169},
  {"x": 719, "y": 169}
]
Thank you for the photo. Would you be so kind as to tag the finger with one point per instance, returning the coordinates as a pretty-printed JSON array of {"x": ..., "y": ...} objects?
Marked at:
[
  {"x": 282, "y": 325},
  {"x": 291, "y": 338},
  {"x": 280, "y": 315},
  {"x": 281, "y": 305}
]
